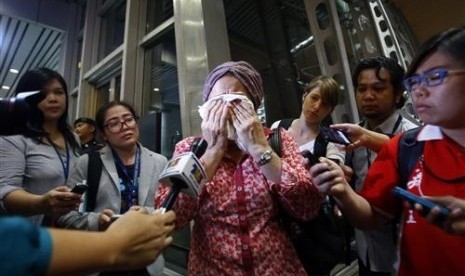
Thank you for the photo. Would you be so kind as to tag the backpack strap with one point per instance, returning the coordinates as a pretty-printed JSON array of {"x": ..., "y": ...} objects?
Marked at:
[
  {"x": 285, "y": 123},
  {"x": 319, "y": 148},
  {"x": 409, "y": 151},
  {"x": 274, "y": 140},
  {"x": 94, "y": 171}
]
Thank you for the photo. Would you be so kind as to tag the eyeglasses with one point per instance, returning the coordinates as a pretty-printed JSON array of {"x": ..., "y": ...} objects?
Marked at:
[
  {"x": 115, "y": 127},
  {"x": 430, "y": 79}
]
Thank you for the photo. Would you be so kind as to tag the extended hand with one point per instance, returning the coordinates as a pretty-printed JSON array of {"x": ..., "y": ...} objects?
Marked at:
[
  {"x": 139, "y": 238},
  {"x": 328, "y": 177}
]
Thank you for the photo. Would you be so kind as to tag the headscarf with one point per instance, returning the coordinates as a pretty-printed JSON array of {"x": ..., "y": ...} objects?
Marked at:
[{"x": 244, "y": 72}]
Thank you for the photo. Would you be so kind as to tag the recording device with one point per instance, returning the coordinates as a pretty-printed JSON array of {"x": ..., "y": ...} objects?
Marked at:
[
  {"x": 16, "y": 113},
  {"x": 335, "y": 136},
  {"x": 312, "y": 159},
  {"x": 425, "y": 203},
  {"x": 80, "y": 188},
  {"x": 184, "y": 173}
]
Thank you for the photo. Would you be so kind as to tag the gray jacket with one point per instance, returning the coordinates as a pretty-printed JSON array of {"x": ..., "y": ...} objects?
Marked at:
[{"x": 109, "y": 196}]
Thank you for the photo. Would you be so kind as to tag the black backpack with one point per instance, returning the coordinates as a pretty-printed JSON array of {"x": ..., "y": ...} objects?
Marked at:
[{"x": 322, "y": 242}]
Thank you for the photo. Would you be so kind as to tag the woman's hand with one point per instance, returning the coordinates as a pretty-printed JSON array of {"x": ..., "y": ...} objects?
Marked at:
[
  {"x": 250, "y": 135},
  {"x": 59, "y": 201},
  {"x": 454, "y": 223},
  {"x": 141, "y": 235},
  {"x": 214, "y": 129},
  {"x": 328, "y": 177}
]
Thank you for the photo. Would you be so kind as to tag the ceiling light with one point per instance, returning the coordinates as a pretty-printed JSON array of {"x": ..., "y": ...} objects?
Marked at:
[
  {"x": 6, "y": 87},
  {"x": 14, "y": 71},
  {"x": 156, "y": 89}
]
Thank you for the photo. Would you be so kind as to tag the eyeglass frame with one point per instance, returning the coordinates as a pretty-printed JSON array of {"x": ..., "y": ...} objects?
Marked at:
[
  {"x": 122, "y": 123},
  {"x": 423, "y": 78}
]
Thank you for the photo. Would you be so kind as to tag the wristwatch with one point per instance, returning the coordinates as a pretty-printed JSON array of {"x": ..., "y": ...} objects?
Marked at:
[{"x": 265, "y": 158}]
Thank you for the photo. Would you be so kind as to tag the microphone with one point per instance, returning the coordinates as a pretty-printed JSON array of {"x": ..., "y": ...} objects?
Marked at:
[{"x": 184, "y": 173}]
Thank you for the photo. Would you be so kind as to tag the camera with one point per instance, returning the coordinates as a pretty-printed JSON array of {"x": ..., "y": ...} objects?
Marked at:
[{"x": 16, "y": 113}]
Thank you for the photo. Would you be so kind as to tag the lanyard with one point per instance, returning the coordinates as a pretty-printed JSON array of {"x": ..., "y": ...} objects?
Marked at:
[
  {"x": 128, "y": 183},
  {"x": 63, "y": 165},
  {"x": 121, "y": 167}
]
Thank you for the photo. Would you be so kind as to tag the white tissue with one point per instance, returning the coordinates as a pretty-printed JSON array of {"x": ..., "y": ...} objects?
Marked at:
[{"x": 203, "y": 109}]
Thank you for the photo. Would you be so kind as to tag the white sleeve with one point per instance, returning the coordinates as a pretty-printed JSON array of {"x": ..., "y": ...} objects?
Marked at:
[{"x": 335, "y": 152}]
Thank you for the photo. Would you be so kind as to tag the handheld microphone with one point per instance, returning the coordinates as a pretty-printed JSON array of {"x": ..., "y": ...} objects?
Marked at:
[{"x": 184, "y": 173}]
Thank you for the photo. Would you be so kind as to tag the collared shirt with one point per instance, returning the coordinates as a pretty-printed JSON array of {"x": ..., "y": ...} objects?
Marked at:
[
  {"x": 377, "y": 244},
  {"x": 362, "y": 158},
  {"x": 236, "y": 225},
  {"x": 424, "y": 249}
]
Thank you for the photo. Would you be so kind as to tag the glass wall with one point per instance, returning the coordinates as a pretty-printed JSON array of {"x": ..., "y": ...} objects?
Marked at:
[
  {"x": 163, "y": 90},
  {"x": 112, "y": 15},
  {"x": 158, "y": 11}
]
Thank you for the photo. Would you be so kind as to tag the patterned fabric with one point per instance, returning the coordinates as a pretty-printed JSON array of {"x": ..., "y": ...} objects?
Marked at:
[
  {"x": 236, "y": 225},
  {"x": 129, "y": 191},
  {"x": 425, "y": 249}
]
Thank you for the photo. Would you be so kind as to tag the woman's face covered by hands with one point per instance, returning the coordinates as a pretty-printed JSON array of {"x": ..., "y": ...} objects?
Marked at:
[{"x": 227, "y": 100}]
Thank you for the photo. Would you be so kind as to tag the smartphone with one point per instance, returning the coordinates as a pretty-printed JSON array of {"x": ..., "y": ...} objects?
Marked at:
[
  {"x": 79, "y": 188},
  {"x": 335, "y": 136},
  {"x": 312, "y": 159},
  {"x": 425, "y": 203}
]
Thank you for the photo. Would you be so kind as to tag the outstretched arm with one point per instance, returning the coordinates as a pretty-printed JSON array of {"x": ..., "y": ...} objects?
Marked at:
[
  {"x": 362, "y": 137},
  {"x": 329, "y": 178},
  {"x": 132, "y": 241}
]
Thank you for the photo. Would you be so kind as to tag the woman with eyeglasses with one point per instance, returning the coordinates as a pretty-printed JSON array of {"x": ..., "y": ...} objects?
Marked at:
[
  {"x": 34, "y": 167},
  {"x": 127, "y": 179},
  {"x": 430, "y": 242}
]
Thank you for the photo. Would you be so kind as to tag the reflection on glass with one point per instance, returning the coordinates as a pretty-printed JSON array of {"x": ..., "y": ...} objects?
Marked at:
[
  {"x": 163, "y": 93},
  {"x": 158, "y": 11},
  {"x": 111, "y": 27}
]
